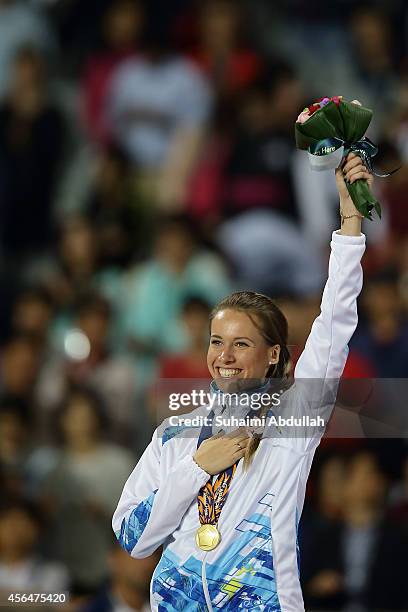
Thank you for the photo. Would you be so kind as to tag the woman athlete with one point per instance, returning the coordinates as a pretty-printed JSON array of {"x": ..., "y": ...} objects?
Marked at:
[{"x": 226, "y": 507}]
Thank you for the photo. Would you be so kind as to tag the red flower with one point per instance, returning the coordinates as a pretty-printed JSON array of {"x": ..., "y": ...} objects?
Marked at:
[
  {"x": 313, "y": 108},
  {"x": 336, "y": 100}
]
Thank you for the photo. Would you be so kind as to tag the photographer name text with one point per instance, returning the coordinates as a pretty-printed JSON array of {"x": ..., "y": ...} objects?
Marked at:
[{"x": 261, "y": 421}]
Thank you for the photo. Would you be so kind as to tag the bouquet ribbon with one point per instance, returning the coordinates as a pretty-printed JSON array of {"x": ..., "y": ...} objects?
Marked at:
[{"x": 365, "y": 148}]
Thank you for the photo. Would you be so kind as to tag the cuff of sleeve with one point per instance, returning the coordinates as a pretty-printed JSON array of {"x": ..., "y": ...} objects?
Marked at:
[
  {"x": 187, "y": 464},
  {"x": 342, "y": 239}
]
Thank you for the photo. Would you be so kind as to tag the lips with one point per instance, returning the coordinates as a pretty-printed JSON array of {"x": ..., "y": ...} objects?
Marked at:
[{"x": 229, "y": 372}]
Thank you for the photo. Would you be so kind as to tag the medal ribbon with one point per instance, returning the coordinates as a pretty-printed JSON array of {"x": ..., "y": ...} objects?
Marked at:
[{"x": 213, "y": 495}]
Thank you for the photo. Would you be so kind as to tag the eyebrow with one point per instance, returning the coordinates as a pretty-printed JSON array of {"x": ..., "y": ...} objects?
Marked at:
[{"x": 237, "y": 338}]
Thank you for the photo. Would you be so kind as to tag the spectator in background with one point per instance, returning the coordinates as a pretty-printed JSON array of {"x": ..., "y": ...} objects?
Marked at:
[
  {"x": 32, "y": 314},
  {"x": 76, "y": 264},
  {"x": 371, "y": 33},
  {"x": 31, "y": 145},
  {"x": 330, "y": 488},
  {"x": 326, "y": 503},
  {"x": 192, "y": 362},
  {"x": 74, "y": 272},
  {"x": 222, "y": 54},
  {"x": 15, "y": 446},
  {"x": 20, "y": 363},
  {"x": 397, "y": 125},
  {"x": 13, "y": 433},
  {"x": 393, "y": 189},
  {"x": 359, "y": 564},
  {"x": 110, "y": 375},
  {"x": 76, "y": 26},
  {"x": 20, "y": 24},
  {"x": 179, "y": 267},
  {"x": 399, "y": 498},
  {"x": 188, "y": 368},
  {"x": 120, "y": 33},
  {"x": 81, "y": 490},
  {"x": 258, "y": 172},
  {"x": 158, "y": 106},
  {"x": 122, "y": 219},
  {"x": 21, "y": 569},
  {"x": 383, "y": 335},
  {"x": 128, "y": 587},
  {"x": 260, "y": 234}
]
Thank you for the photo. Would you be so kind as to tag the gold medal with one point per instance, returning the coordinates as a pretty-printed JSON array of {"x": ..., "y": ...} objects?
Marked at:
[{"x": 207, "y": 537}]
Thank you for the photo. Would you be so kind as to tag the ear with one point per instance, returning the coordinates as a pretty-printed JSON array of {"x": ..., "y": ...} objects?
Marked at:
[{"x": 273, "y": 354}]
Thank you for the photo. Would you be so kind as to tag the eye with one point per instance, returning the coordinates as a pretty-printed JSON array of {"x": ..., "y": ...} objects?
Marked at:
[
  {"x": 216, "y": 342},
  {"x": 241, "y": 344}
]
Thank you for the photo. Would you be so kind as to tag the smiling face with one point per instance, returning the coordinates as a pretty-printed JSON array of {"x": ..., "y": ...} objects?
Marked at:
[{"x": 238, "y": 353}]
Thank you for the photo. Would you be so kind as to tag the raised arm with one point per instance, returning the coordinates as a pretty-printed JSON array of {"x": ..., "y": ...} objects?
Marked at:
[
  {"x": 148, "y": 510},
  {"x": 326, "y": 348}
]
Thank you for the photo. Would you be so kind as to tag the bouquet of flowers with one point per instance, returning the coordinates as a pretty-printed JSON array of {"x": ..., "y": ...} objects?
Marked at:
[{"x": 329, "y": 130}]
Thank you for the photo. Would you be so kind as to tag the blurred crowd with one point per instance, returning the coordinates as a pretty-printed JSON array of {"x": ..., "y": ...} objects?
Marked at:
[{"x": 147, "y": 168}]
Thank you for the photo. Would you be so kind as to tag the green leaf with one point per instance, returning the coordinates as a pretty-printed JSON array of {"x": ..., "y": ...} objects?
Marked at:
[
  {"x": 363, "y": 199},
  {"x": 356, "y": 120}
]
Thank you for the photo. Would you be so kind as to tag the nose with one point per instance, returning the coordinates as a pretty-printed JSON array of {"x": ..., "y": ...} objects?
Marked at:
[{"x": 226, "y": 356}]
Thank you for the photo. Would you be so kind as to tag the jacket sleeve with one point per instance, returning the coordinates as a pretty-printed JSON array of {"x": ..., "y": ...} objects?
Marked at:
[
  {"x": 326, "y": 348},
  {"x": 154, "y": 501}
]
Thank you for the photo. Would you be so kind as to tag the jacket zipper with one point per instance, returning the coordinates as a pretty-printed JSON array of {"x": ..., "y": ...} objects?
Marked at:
[{"x": 205, "y": 585}]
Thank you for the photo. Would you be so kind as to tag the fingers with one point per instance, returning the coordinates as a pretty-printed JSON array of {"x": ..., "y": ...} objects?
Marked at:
[
  {"x": 363, "y": 174},
  {"x": 354, "y": 169},
  {"x": 352, "y": 161},
  {"x": 242, "y": 443},
  {"x": 356, "y": 173},
  {"x": 238, "y": 455}
]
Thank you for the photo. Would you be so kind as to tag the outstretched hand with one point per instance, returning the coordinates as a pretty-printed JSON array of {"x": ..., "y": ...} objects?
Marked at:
[{"x": 353, "y": 170}]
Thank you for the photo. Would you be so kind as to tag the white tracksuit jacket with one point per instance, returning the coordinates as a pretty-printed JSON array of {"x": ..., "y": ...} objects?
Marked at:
[{"x": 255, "y": 566}]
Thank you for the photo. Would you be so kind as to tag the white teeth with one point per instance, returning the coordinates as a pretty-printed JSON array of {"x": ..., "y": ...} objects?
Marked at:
[{"x": 227, "y": 373}]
